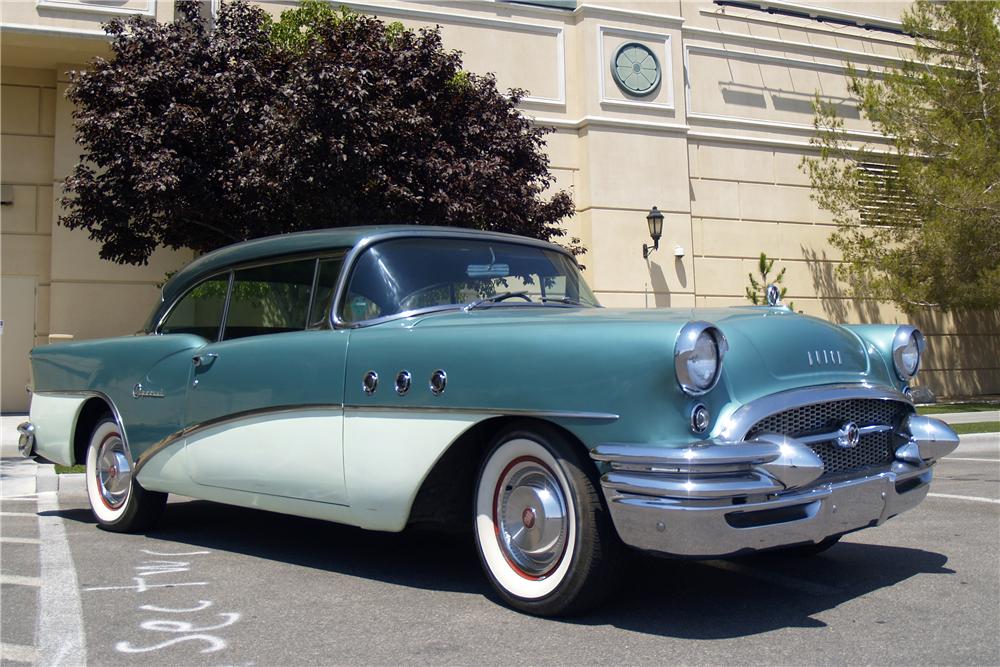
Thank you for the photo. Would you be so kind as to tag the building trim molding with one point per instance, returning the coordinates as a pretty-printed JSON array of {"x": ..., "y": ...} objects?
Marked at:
[
  {"x": 52, "y": 31},
  {"x": 605, "y": 121},
  {"x": 96, "y": 8},
  {"x": 787, "y": 46},
  {"x": 811, "y": 26}
]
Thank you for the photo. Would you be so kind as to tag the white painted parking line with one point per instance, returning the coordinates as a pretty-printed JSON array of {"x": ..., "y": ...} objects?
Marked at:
[
  {"x": 959, "y": 458},
  {"x": 20, "y": 540},
  {"x": 772, "y": 577},
  {"x": 18, "y": 653},
  {"x": 18, "y": 514},
  {"x": 60, "y": 613},
  {"x": 20, "y": 581},
  {"x": 978, "y": 499}
]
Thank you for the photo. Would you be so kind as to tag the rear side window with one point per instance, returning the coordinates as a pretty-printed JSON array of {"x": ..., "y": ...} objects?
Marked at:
[
  {"x": 199, "y": 311},
  {"x": 270, "y": 299},
  {"x": 326, "y": 282}
]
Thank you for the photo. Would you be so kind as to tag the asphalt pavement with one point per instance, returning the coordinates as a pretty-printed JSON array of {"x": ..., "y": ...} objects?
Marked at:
[{"x": 217, "y": 585}]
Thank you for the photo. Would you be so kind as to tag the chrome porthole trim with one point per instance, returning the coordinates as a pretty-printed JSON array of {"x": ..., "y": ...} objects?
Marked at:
[
  {"x": 684, "y": 348},
  {"x": 900, "y": 340},
  {"x": 370, "y": 382},
  {"x": 403, "y": 380},
  {"x": 438, "y": 382}
]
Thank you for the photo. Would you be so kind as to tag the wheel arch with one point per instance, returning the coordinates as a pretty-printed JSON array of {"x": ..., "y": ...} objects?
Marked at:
[
  {"x": 445, "y": 496},
  {"x": 91, "y": 412}
]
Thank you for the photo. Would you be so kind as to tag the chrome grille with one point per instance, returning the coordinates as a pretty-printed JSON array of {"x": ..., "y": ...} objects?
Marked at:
[{"x": 873, "y": 450}]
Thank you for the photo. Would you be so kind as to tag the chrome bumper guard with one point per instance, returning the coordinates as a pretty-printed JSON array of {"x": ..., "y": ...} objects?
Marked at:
[
  {"x": 723, "y": 498},
  {"x": 26, "y": 439}
]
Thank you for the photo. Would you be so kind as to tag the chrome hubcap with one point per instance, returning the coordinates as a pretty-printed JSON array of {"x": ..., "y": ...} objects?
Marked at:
[
  {"x": 531, "y": 518},
  {"x": 114, "y": 472}
]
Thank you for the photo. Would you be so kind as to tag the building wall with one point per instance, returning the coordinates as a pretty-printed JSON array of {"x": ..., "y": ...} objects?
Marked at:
[{"x": 717, "y": 147}]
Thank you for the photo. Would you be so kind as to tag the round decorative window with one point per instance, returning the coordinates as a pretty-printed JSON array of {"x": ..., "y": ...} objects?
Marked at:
[{"x": 636, "y": 69}]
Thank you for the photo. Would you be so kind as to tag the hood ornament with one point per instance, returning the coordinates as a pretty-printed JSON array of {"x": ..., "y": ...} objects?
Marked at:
[{"x": 773, "y": 295}]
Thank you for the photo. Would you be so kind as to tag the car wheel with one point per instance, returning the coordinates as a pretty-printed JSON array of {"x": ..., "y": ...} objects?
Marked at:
[
  {"x": 544, "y": 538},
  {"x": 118, "y": 502}
]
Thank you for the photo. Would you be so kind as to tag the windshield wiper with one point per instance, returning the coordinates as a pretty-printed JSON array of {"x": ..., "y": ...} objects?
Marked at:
[
  {"x": 497, "y": 298},
  {"x": 562, "y": 299}
]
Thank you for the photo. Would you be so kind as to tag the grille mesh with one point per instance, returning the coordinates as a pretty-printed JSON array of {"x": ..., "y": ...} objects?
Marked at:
[{"x": 874, "y": 449}]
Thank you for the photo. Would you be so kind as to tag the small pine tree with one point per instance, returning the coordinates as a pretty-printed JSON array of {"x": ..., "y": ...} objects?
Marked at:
[{"x": 756, "y": 291}]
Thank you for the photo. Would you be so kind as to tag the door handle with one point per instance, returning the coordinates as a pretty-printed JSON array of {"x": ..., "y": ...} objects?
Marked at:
[{"x": 204, "y": 360}]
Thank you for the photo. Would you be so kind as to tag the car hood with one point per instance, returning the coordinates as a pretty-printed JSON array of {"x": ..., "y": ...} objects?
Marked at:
[{"x": 770, "y": 349}]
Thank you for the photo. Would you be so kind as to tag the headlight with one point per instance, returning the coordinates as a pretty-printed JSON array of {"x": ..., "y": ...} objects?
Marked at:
[
  {"x": 698, "y": 355},
  {"x": 907, "y": 346}
]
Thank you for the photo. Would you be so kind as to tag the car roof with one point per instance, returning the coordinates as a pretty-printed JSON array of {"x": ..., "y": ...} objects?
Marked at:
[{"x": 309, "y": 243}]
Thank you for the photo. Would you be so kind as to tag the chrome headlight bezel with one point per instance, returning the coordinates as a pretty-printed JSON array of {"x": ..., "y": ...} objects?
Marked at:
[
  {"x": 685, "y": 349},
  {"x": 904, "y": 337}
]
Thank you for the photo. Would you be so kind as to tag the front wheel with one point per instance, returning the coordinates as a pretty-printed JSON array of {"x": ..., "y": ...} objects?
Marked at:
[
  {"x": 118, "y": 502},
  {"x": 543, "y": 535}
]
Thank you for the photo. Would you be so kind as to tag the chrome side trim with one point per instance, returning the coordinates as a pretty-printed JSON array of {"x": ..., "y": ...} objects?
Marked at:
[
  {"x": 514, "y": 412},
  {"x": 735, "y": 428},
  {"x": 162, "y": 444}
]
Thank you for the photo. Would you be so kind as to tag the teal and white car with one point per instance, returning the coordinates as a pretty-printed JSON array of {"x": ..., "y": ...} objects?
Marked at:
[{"x": 387, "y": 377}]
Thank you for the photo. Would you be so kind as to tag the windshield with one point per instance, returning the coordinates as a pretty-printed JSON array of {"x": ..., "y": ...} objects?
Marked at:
[{"x": 401, "y": 275}]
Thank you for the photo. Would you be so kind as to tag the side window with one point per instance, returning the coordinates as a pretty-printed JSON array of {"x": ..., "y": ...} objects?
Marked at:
[
  {"x": 269, "y": 299},
  {"x": 200, "y": 310},
  {"x": 326, "y": 283}
]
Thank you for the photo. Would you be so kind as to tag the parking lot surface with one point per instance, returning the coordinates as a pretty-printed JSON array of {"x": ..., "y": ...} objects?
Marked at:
[{"x": 217, "y": 585}]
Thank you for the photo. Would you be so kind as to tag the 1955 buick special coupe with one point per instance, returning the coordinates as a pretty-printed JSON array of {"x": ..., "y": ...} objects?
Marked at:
[{"x": 394, "y": 376}]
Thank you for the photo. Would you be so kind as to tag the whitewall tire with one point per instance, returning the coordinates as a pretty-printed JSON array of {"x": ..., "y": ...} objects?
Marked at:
[
  {"x": 544, "y": 538},
  {"x": 116, "y": 499}
]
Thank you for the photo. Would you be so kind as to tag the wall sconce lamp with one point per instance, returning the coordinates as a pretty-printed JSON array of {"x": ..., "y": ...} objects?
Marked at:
[{"x": 655, "y": 221}]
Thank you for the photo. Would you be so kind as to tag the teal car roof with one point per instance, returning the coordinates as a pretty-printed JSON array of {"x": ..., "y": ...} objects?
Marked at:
[{"x": 300, "y": 243}]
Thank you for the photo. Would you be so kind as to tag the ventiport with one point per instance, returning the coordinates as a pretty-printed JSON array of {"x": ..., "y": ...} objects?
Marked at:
[{"x": 763, "y": 490}]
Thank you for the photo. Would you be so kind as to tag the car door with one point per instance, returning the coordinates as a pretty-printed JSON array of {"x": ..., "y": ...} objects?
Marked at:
[{"x": 265, "y": 402}]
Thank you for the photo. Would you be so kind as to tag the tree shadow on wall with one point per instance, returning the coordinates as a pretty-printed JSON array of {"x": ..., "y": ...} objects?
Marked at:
[{"x": 837, "y": 305}]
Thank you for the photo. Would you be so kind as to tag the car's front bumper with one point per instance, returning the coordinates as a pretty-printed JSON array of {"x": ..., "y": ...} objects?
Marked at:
[{"x": 724, "y": 498}]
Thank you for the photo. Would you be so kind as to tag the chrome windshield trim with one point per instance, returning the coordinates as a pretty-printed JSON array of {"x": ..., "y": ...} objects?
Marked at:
[
  {"x": 176, "y": 436},
  {"x": 355, "y": 253},
  {"x": 739, "y": 423},
  {"x": 518, "y": 412}
]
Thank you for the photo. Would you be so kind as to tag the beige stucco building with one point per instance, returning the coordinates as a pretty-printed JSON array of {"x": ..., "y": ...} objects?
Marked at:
[{"x": 716, "y": 144}]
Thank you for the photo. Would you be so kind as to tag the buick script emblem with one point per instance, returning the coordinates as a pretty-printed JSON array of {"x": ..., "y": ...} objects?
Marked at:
[{"x": 848, "y": 436}]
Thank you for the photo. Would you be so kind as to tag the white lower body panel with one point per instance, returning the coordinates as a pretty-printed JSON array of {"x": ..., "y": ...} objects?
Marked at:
[{"x": 55, "y": 418}]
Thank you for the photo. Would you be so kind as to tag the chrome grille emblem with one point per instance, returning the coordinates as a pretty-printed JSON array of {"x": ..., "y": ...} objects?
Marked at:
[{"x": 848, "y": 436}]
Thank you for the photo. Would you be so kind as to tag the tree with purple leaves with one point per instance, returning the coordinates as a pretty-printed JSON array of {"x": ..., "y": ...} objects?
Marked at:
[{"x": 198, "y": 135}]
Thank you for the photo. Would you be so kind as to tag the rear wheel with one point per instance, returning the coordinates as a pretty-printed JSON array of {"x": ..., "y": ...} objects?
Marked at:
[
  {"x": 118, "y": 502},
  {"x": 544, "y": 539}
]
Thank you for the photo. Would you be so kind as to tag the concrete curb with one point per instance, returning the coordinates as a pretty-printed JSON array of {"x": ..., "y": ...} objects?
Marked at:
[
  {"x": 46, "y": 479},
  {"x": 72, "y": 482}
]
